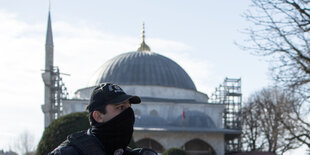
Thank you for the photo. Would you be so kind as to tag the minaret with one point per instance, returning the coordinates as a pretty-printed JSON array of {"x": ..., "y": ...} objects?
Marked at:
[
  {"x": 143, "y": 45},
  {"x": 47, "y": 108}
]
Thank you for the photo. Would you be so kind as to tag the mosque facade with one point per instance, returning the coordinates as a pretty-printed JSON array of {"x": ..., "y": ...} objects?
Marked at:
[{"x": 173, "y": 114}]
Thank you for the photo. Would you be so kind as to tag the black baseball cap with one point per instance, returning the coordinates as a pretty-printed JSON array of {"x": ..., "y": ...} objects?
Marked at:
[{"x": 108, "y": 93}]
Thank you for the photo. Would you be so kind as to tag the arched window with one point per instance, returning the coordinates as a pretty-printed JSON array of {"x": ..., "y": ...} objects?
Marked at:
[
  {"x": 198, "y": 147},
  {"x": 150, "y": 143},
  {"x": 154, "y": 113}
]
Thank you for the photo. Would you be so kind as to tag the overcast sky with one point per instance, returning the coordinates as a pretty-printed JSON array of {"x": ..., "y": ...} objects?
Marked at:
[{"x": 198, "y": 35}]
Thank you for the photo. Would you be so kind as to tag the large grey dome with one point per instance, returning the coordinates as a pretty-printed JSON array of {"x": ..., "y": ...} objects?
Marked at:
[{"x": 143, "y": 68}]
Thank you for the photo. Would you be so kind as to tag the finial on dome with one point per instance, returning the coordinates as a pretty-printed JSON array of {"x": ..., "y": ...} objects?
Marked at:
[
  {"x": 143, "y": 32},
  {"x": 143, "y": 45}
]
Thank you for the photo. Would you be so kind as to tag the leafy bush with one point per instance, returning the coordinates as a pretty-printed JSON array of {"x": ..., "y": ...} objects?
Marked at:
[
  {"x": 174, "y": 151},
  {"x": 59, "y": 129}
]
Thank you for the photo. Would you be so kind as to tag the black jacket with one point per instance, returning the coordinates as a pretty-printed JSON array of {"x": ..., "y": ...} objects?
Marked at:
[
  {"x": 85, "y": 143},
  {"x": 80, "y": 143}
]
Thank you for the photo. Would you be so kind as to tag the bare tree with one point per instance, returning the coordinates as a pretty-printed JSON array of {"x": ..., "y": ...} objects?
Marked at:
[
  {"x": 280, "y": 31},
  {"x": 262, "y": 127},
  {"x": 296, "y": 121},
  {"x": 25, "y": 143},
  {"x": 251, "y": 128}
]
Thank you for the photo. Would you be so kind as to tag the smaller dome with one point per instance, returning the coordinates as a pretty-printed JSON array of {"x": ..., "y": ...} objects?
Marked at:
[
  {"x": 194, "y": 119},
  {"x": 150, "y": 121}
]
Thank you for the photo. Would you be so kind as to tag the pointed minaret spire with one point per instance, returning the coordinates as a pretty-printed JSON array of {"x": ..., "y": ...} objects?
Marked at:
[
  {"x": 143, "y": 45},
  {"x": 49, "y": 44}
]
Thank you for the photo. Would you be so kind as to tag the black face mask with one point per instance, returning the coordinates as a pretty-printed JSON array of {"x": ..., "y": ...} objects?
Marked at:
[{"x": 117, "y": 132}]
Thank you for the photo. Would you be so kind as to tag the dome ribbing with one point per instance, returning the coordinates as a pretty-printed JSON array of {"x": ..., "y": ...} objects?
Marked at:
[{"x": 143, "y": 68}]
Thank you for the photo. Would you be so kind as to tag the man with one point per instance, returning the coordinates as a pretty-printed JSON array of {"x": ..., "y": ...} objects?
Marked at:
[{"x": 111, "y": 118}]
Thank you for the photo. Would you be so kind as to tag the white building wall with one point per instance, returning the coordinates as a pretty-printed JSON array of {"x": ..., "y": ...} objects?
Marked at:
[
  {"x": 178, "y": 139},
  {"x": 70, "y": 106},
  {"x": 166, "y": 110},
  {"x": 170, "y": 110},
  {"x": 153, "y": 92}
]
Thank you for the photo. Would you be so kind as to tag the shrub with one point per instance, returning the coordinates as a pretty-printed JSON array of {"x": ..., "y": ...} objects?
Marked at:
[{"x": 59, "y": 129}]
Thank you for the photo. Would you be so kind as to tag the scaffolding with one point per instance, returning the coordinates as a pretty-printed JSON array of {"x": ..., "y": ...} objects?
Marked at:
[
  {"x": 58, "y": 91},
  {"x": 229, "y": 94}
]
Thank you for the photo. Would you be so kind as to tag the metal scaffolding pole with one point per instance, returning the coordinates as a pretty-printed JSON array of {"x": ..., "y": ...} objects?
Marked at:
[{"x": 229, "y": 94}]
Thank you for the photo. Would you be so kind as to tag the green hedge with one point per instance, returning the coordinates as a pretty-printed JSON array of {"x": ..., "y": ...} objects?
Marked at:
[
  {"x": 174, "y": 151},
  {"x": 59, "y": 129}
]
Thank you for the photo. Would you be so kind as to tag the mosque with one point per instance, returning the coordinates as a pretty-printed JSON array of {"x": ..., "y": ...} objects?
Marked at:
[{"x": 173, "y": 114}]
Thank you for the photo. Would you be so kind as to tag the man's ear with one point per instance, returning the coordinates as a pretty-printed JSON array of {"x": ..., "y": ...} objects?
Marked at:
[{"x": 98, "y": 116}]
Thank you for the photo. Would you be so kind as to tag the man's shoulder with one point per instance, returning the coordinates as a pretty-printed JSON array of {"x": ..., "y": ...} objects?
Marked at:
[
  {"x": 66, "y": 146},
  {"x": 65, "y": 150},
  {"x": 80, "y": 143},
  {"x": 77, "y": 135}
]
